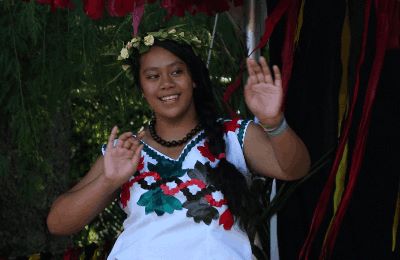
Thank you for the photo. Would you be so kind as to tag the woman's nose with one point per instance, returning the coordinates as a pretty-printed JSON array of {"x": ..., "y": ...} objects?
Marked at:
[{"x": 167, "y": 82}]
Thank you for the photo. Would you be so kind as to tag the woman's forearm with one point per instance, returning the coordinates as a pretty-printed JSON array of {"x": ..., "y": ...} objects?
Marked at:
[
  {"x": 76, "y": 208},
  {"x": 291, "y": 154}
]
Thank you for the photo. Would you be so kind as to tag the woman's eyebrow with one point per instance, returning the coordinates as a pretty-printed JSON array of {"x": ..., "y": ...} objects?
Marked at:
[{"x": 174, "y": 63}]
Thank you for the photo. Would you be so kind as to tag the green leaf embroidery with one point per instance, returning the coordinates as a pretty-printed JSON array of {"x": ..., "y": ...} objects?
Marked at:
[
  {"x": 167, "y": 169},
  {"x": 155, "y": 200}
]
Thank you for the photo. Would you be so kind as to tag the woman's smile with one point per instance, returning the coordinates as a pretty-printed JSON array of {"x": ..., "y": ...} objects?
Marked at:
[{"x": 170, "y": 98}]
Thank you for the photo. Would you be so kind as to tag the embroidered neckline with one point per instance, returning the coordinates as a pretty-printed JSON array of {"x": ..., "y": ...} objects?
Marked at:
[{"x": 156, "y": 154}]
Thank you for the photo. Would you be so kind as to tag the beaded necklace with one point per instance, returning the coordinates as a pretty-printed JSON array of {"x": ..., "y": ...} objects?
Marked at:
[{"x": 172, "y": 143}]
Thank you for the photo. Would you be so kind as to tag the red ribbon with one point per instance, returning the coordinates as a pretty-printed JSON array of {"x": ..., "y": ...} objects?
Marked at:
[
  {"x": 137, "y": 15},
  {"x": 288, "y": 47}
]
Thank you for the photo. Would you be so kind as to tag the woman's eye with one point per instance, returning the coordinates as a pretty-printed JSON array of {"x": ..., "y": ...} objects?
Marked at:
[
  {"x": 152, "y": 76},
  {"x": 177, "y": 72}
]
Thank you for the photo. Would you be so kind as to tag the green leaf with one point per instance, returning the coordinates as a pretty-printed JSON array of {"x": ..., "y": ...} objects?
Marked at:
[{"x": 158, "y": 202}]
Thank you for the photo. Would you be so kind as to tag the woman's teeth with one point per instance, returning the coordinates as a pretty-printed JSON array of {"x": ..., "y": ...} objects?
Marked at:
[{"x": 169, "y": 98}]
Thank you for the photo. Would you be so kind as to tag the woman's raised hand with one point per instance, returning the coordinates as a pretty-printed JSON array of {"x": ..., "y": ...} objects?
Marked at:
[
  {"x": 121, "y": 160},
  {"x": 263, "y": 92}
]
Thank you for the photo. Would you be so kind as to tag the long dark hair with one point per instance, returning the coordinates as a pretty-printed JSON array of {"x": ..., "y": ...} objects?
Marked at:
[{"x": 244, "y": 201}]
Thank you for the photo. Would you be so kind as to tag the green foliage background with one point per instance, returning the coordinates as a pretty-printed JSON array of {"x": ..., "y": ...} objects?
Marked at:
[{"x": 61, "y": 92}]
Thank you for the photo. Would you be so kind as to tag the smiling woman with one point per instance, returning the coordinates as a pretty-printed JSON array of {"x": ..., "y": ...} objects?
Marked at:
[{"x": 186, "y": 179}]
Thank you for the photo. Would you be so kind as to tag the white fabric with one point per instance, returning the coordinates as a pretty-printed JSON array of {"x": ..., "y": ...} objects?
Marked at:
[
  {"x": 175, "y": 235},
  {"x": 274, "y": 255}
]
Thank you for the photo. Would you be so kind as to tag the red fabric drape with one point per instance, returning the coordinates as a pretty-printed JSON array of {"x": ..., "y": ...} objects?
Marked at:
[
  {"x": 323, "y": 202},
  {"x": 93, "y": 8},
  {"x": 384, "y": 10},
  {"x": 394, "y": 33},
  {"x": 384, "y": 16}
]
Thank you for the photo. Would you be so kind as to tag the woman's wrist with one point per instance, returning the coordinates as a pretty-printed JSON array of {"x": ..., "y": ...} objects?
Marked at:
[{"x": 276, "y": 129}]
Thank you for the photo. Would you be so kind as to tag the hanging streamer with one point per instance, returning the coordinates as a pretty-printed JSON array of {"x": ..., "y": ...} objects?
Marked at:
[
  {"x": 383, "y": 13},
  {"x": 343, "y": 104},
  {"x": 137, "y": 15},
  {"x": 323, "y": 202},
  {"x": 299, "y": 23},
  {"x": 288, "y": 46}
]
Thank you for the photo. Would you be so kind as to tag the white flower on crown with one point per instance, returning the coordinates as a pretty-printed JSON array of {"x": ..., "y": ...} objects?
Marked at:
[
  {"x": 149, "y": 40},
  {"x": 124, "y": 53},
  {"x": 136, "y": 39},
  {"x": 172, "y": 31}
]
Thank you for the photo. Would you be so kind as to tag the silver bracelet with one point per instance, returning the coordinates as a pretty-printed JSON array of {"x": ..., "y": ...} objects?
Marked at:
[{"x": 277, "y": 130}]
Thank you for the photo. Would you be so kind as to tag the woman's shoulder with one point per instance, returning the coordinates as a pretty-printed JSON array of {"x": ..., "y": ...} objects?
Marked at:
[
  {"x": 235, "y": 129},
  {"x": 234, "y": 124}
]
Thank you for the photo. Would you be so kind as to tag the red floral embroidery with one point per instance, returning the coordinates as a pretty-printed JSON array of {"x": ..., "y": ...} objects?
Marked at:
[
  {"x": 140, "y": 164},
  {"x": 213, "y": 202},
  {"x": 125, "y": 193},
  {"x": 155, "y": 175},
  {"x": 183, "y": 185},
  {"x": 169, "y": 191},
  {"x": 226, "y": 220},
  {"x": 205, "y": 151},
  {"x": 125, "y": 189},
  {"x": 231, "y": 125},
  {"x": 197, "y": 182}
]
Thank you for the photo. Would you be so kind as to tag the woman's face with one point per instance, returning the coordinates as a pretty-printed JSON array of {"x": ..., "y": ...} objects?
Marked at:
[{"x": 166, "y": 84}]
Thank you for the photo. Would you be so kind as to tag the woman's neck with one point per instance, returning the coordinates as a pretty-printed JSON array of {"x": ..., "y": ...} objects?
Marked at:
[{"x": 175, "y": 129}]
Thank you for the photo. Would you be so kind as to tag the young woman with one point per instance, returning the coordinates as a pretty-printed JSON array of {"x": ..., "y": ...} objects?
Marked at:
[{"x": 185, "y": 179}]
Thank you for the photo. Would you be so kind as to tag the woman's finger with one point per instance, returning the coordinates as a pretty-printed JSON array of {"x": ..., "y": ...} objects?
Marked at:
[
  {"x": 252, "y": 79},
  {"x": 121, "y": 143},
  {"x": 111, "y": 138},
  {"x": 136, "y": 156},
  {"x": 278, "y": 76},
  {"x": 266, "y": 71},
  {"x": 258, "y": 72},
  {"x": 125, "y": 136},
  {"x": 129, "y": 143}
]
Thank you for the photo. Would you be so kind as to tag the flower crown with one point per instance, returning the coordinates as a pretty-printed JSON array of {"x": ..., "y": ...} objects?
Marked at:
[{"x": 139, "y": 45}]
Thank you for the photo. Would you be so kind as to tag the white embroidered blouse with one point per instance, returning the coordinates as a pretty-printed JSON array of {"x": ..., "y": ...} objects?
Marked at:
[{"x": 173, "y": 212}]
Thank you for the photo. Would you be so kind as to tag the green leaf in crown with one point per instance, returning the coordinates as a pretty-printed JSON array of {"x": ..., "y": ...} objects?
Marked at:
[{"x": 158, "y": 202}]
